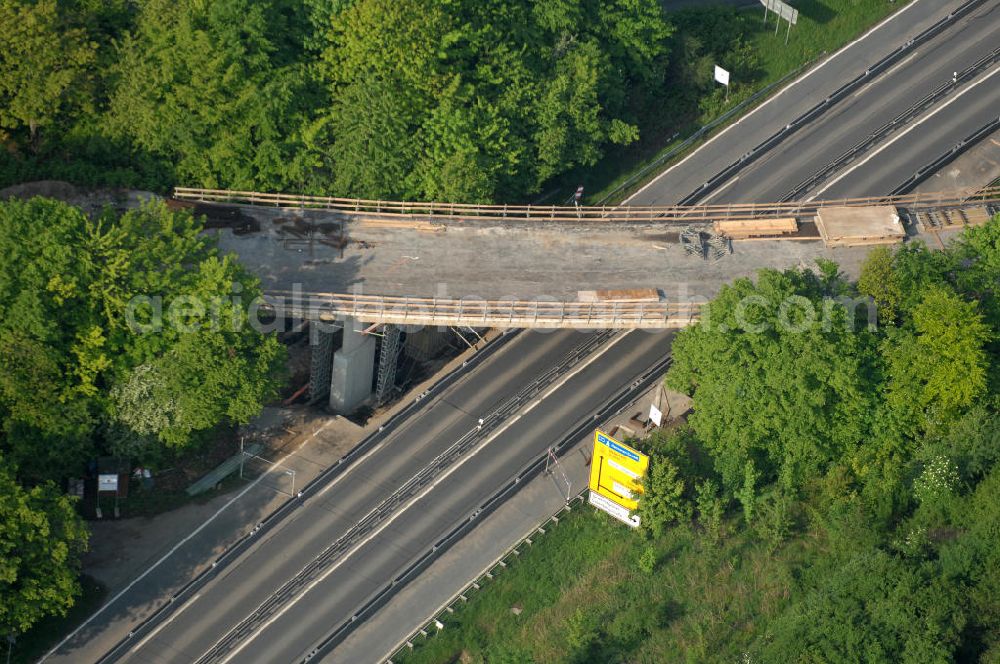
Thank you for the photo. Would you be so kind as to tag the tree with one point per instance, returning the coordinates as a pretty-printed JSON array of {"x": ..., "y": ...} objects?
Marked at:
[
  {"x": 44, "y": 64},
  {"x": 662, "y": 500},
  {"x": 477, "y": 100},
  {"x": 204, "y": 363},
  {"x": 880, "y": 281},
  {"x": 976, "y": 265},
  {"x": 41, "y": 539},
  {"x": 124, "y": 334},
  {"x": 779, "y": 378},
  {"x": 204, "y": 85},
  {"x": 711, "y": 509},
  {"x": 937, "y": 367},
  {"x": 48, "y": 403}
]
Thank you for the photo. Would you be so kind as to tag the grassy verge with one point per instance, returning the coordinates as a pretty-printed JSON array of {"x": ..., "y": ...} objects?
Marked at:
[
  {"x": 823, "y": 27},
  {"x": 48, "y": 632},
  {"x": 585, "y": 596}
]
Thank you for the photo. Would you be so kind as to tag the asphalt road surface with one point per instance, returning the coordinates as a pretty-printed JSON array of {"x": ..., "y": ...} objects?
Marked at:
[
  {"x": 795, "y": 99},
  {"x": 198, "y": 625},
  {"x": 221, "y": 605},
  {"x": 809, "y": 150},
  {"x": 969, "y": 108}
]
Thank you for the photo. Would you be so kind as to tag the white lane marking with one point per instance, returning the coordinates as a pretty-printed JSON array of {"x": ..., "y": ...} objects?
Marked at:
[
  {"x": 776, "y": 95},
  {"x": 558, "y": 385},
  {"x": 375, "y": 449},
  {"x": 903, "y": 133},
  {"x": 382, "y": 526},
  {"x": 729, "y": 183},
  {"x": 884, "y": 76},
  {"x": 165, "y": 623},
  {"x": 178, "y": 546}
]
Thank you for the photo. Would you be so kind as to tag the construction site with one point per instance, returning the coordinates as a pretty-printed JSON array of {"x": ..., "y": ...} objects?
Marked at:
[{"x": 371, "y": 278}]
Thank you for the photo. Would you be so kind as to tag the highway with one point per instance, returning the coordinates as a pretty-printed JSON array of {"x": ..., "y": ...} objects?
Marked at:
[
  {"x": 941, "y": 129},
  {"x": 850, "y": 121},
  {"x": 802, "y": 94},
  {"x": 213, "y": 626},
  {"x": 415, "y": 525}
]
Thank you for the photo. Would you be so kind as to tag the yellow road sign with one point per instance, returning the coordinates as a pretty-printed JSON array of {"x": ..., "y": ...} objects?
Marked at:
[{"x": 616, "y": 473}]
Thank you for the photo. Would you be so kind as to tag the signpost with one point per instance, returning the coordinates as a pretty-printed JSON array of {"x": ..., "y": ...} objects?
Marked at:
[
  {"x": 722, "y": 76},
  {"x": 783, "y": 11},
  {"x": 655, "y": 414},
  {"x": 616, "y": 473}
]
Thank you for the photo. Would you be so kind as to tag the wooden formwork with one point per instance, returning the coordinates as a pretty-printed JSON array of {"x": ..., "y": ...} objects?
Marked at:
[
  {"x": 407, "y": 212},
  {"x": 742, "y": 229},
  {"x": 609, "y": 314},
  {"x": 841, "y": 226}
]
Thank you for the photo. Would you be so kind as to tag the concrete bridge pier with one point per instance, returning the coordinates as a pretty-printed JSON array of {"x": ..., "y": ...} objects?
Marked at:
[{"x": 353, "y": 368}]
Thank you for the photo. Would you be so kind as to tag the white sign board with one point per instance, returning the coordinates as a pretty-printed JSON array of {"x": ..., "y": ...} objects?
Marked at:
[
  {"x": 721, "y": 75},
  {"x": 107, "y": 482},
  {"x": 613, "y": 508},
  {"x": 782, "y": 9},
  {"x": 655, "y": 415}
]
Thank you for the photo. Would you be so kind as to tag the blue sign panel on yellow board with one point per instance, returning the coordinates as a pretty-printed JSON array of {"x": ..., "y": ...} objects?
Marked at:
[{"x": 616, "y": 474}]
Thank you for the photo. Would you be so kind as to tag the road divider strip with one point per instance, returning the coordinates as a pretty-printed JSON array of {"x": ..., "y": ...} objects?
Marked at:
[
  {"x": 402, "y": 498},
  {"x": 190, "y": 590},
  {"x": 620, "y": 402},
  {"x": 836, "y": 96}
]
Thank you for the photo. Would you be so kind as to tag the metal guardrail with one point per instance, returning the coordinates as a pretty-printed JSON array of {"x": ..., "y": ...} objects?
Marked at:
[
  {"x": 889, "y": 127},
  {"x": 501, "y": 562},
  {"x": 400, "y": 310},
  {"x": 701, "y": 133},
  {"x": 624, "y": 399},
  {"x": 933, "y": 167},
  {"x": 239, "y": 547},
  {"x": 839, "y": 94},
  {"x": 314, "y": 571}
]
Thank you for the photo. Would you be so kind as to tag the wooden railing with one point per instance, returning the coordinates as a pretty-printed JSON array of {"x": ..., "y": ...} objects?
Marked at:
[
  {"x": 418, "y": 211},
  {"x": 617, "y": 314}
]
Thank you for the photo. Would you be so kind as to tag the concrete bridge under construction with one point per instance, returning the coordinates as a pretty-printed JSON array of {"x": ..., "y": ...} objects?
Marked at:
[{"x": 369, "y": 274}]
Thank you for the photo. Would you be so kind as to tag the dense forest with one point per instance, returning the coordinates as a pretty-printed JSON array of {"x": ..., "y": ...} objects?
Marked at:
[
  {"x": 833, "y": 497},
  {"x": 119, "y": 335},
  {"x": 877, "y": 438},
  {"x": 471, "y": 100}
]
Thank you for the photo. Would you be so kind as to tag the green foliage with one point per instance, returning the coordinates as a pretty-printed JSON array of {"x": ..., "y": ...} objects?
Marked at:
[
  {"x": 663, "y": 501},
  {"x": 711, "y": 509},
  {"x": 779, "y": 377},
  {"x": 880, "y": 281},
  {"x": 972, "y": 440},
  {"x": 938, "y": 366},
  {"x": 647, "y": 561},
  {"x": 41, "y": 538},
  {"x": 581, "y": 634},
  {"x": 44, "y": 65},
  {"x": 937, "y": 481},
  {"x": 747, "y": 493},
  {"x": 876, "y": 609},
  {"x": 86, "y": 365},
  {"x": 204, "y": 85},
  {"x": 774, "y": 518},
  {"x": 441, "y": 100},
  {"x": 976, "y": 260}
]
